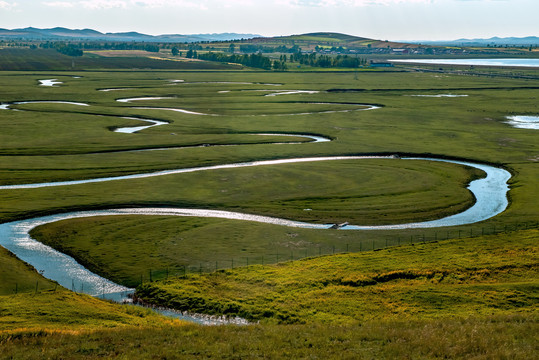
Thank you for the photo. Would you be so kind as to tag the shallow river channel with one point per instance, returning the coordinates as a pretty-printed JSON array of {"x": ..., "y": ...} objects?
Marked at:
[{"x": 490, "y": 193}]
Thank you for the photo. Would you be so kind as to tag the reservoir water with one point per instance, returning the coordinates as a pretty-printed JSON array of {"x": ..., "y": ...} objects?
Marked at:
[{"x": 519, "y": 62}]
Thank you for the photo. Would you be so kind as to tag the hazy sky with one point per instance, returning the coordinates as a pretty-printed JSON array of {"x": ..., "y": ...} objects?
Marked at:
[{"x": 378, "y": 19}]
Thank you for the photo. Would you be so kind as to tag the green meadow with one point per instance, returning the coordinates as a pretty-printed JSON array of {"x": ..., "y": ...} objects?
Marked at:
[{"x": 459, "y": 292}]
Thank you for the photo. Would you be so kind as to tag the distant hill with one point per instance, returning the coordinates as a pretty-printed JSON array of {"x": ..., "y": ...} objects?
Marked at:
[
  {"x": 497, "y": 41},
  {"x": 329, "y": 39},
  {"x": 59, "y": 33}
]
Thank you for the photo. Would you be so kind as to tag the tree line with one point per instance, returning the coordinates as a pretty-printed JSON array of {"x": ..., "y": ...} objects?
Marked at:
[
  {"x": 251, "y": 60},
  {"x": 250, "y": 48},
  {"x": 98, "y": 46},
  {"x": 327, "y": 61}
]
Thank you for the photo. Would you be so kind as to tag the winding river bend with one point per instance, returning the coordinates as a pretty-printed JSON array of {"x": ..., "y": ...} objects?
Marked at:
[{"x": 490, "y": 193}]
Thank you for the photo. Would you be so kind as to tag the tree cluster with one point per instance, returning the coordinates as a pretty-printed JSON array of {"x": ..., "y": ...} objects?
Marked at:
[
  {"x": 251, "y": 48},
  {"x": 251, "y": 60},
  {"x": 326, "y": 61},
  {"x": 68, "y": 49},
  {"x": 101, "y": 46}
]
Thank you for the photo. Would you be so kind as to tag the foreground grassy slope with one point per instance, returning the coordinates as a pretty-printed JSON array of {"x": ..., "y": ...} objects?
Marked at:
[
  {"x": 17, "y": 276},
  {"x": 491, "y": 337},
  {"x": 62, "y": 310},
  {"x": 490, "y": 275},
  {"x": 467, "y": 299}
]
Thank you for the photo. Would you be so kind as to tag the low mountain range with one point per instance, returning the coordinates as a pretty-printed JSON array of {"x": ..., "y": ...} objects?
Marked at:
[
  {"x": 60, "y": 33},
  {"x": 493, "y": 41},
  {"x": 64, "y": 34}
]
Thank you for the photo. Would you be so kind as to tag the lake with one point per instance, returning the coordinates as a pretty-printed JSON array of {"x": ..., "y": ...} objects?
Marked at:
[{"x": 520, "y": 62}]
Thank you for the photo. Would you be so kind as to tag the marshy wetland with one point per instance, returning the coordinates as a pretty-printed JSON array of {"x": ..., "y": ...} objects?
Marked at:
[{"x": 224, "y": 122}]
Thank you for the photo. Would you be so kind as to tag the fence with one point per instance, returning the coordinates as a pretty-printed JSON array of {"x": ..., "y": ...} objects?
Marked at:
[
  {"x": 375, "y": 244},
  {"x": 390, "y": 239}
]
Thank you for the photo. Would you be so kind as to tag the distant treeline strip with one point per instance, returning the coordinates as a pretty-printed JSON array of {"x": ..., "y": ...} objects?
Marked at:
[
  {"x": 251, "y": 60},
  {"x": 79, "y": 47},
  {"x": 259, "y": 61},
  {"x": 326, "y": 61}
]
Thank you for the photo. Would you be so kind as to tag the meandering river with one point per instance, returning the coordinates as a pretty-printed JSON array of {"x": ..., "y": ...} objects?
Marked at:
[{"x": 490, "y": 194}]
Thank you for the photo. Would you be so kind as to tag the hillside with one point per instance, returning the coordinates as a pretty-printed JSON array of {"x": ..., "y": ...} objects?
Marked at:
[
  {"x": 493, "y": 41},
  {"x": 328, "y": 39}
]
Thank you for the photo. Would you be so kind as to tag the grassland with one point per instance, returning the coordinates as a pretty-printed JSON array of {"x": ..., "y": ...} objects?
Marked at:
[
  {"x": 420, "y": 301},
  {"x": 492, "y": 275},
  {"x": 51, "y": 60},
  {"x": 26, "y": 279},
  {"x": 472, "y": 338},
  {"x": 462, "y": 299}
]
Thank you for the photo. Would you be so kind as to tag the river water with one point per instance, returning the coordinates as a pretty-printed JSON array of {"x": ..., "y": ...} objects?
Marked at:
[
  {"x": 524, "y": 122},
  {"x": 490, "y": 193}
]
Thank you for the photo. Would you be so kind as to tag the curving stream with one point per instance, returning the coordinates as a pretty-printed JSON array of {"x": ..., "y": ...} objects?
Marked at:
[
  {"x": 524, "y": 122},
  {"x": 490, "y": 193}
]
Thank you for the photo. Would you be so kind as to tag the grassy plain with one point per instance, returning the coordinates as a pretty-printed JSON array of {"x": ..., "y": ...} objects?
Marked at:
[
  {"x": 490, "y": 275},
  {"x": 462, "y": 299},
  {"x": 26, "y": 279},
  {"x": 491, "y": 337},
  {"x": 431, "y": 298},
  {"x": 14, "y": 59},
  {"x": 66, "y": 312}
]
